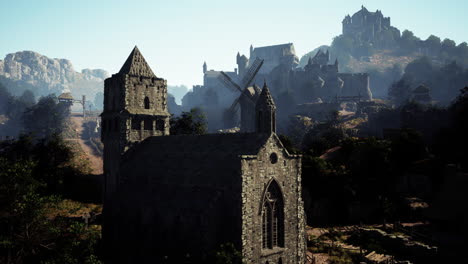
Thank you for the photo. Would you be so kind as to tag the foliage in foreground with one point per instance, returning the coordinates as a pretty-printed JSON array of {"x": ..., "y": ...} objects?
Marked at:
[
  {"x": 189, "y": 123},
  {"x": 31, "y": 178}
]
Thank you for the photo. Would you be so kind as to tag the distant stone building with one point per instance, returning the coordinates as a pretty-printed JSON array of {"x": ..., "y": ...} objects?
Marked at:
[
  {"x": 289, "y": 84},
  {"x": 176, "y": 199},
  {"x": 371, "y": 27},
  {"x": 212, "y": 97},
  {"x": 319, "y": 80},
  {"x": 273, "y": 56}
]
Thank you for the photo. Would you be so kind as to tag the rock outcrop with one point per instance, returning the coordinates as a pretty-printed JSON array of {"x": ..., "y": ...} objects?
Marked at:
[{"x": 42, "y": 75}]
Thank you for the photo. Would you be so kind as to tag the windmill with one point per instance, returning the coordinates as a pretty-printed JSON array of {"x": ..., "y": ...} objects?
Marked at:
[{"x": 244, "y": 91}]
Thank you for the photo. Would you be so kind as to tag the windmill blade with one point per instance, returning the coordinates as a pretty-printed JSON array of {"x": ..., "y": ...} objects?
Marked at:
[
  {"x": 251, "y": 72},
  {"x": 235, "y": 105},
  {"x": 228, "y": 82}
]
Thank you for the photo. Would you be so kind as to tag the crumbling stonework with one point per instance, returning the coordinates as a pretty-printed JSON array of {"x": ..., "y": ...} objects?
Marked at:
[
  {"x": 178, "y": 198},
  {"x": 258, "y": 173}
]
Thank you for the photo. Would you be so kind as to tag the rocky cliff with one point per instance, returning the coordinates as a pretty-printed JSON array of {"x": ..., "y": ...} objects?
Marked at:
[{"x": 42, "y": 75}]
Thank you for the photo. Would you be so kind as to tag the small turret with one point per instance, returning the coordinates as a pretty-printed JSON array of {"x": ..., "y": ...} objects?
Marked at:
[
  {"x": 251, "y": 50},
  {"x": 310, "y": 65},
  {"x": 242, "y": 63},
  {"x": 265, "y": 112}
]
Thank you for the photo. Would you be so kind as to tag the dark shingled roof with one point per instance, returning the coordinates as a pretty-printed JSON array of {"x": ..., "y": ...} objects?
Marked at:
[
  {"x": 136, "y": 65},
  {"x": 181, "y": 158},
  {"x": 233, "y": 144}
]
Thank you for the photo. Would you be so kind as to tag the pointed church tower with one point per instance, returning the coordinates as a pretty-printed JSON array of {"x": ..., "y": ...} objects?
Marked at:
[
  {"x": 265, "y": 112},
  {"x": 135, "y": 107}
]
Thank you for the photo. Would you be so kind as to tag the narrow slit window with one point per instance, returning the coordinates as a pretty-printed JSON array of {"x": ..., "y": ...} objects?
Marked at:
[
  {"x": 148, "y": 124},
  {"x": 136, "y": 124},
  {"x": 147, "y": 103}
]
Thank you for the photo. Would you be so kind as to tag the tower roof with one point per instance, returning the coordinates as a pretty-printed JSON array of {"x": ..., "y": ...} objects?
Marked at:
[
  {"x": 136, "y": 65},
  {"x": 265, "y": 98}
]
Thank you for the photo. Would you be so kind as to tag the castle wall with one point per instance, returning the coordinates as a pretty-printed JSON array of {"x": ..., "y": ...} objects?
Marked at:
[
  {"x": 257, "y": 172},
  {"x": 356, "y": 84}
]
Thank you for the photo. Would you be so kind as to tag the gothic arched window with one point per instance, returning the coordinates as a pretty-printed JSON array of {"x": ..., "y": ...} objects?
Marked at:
[
  {"x": 147, "y": 103},
  {"x": 273, "y": 217}
]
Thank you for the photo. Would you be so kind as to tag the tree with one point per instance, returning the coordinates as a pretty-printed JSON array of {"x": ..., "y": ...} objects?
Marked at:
[
  {"x": 31, "y": 232},
  {"x": 99, "y": 100},
  {"x": 433, "y": 43},
  {"x": 28, "y": 98},
  {"x": 407, "y": 147},
  {"x": 343, "y": 43},
  {"x": 458, "y": 142},
  {"x": 408, "y": 41},
  {"x": 400, "y": 91},
  {"x": 189, "y": 123},
  {"x": 419, "y": 69},
  {"x": 448, "y": 44},
  {"x": 288, "y": 144},
  {"x": 5, "y": 97},
  {"x": 325, "y": 135},
  {"x": 47, "y": 117},
  {"x": 228, "y": 254}
]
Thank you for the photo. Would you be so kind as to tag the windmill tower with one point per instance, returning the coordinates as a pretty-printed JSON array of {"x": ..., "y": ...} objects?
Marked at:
[{"x": 247, "y": 96}]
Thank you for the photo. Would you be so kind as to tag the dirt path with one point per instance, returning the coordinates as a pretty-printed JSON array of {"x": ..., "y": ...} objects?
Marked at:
[{"x": 95, "y": 161}]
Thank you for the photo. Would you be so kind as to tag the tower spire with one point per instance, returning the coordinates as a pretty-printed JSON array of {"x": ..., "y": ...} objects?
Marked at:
[
  {"x": 265, "y": 109},
  {"x": 136, "y": 65}
]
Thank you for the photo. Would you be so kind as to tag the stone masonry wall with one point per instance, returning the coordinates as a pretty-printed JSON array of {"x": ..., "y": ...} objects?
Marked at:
[{"x": 257, "y": 172}]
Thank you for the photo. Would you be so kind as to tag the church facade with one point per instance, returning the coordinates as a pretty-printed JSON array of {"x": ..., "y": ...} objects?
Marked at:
[{"x": 178, "y": 198}]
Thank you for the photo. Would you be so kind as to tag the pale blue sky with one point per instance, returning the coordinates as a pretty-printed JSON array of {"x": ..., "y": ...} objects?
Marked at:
[{"x": 177, "y": 36}]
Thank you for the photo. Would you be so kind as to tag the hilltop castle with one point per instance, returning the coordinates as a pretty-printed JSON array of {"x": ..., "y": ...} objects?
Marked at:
[
  {"x": 371, "y": 27},
  {"x": 177, "y": 198}
]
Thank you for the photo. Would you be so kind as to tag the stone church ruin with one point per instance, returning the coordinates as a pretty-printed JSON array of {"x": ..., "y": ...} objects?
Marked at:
[{"x": 178, "y": 197}]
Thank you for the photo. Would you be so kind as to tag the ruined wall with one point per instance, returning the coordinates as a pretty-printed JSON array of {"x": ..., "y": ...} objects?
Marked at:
[
  {"x": 356, "y": 84},
  {"x": 257, "y": 172},
  {"x": 178, "y": 206}
]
